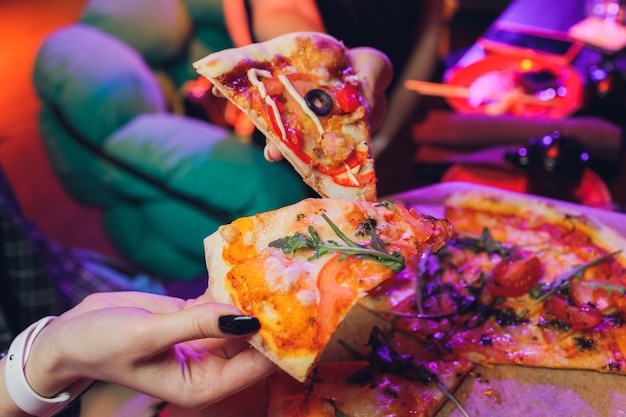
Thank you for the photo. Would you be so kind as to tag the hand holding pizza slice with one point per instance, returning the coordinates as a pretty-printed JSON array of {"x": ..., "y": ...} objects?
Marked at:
[
  {"x": 303, "y": 93},
  {"x": 301, "y": 269}
]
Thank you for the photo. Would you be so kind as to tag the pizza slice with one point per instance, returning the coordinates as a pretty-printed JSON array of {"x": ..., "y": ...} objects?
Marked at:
[
  {"x": 301, "y": 92},
  {"x": 556, "y": 288},
  {"x": 524, "y": 283},
  {"x": 387, "y": 382},
  {"x": 300, "y": 269}
]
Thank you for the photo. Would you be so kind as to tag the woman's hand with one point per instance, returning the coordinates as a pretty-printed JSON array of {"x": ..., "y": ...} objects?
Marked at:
[
  {"x": 375, "y": 71},
  {"x": 165, "y": 347}
]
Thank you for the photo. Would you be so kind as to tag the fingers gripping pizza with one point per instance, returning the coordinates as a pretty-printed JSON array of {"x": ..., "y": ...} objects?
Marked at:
[
  {"x": 301, "y": 92},
  {"x": 300, "y": 269}
]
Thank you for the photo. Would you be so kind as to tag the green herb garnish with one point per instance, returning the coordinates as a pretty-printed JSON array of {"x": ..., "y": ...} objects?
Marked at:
[
  {"x": 485, "y": 243},
  {"x": 338, "y": 412},
  {"x": 387, "y": 204},
  {"x": 421, "y": 269},
  {"x": 384, "y": 358},
  {"x": 562, "y": 282},
  {"x": 493, "y": 246},
  {"x": 375, "y": 252}
]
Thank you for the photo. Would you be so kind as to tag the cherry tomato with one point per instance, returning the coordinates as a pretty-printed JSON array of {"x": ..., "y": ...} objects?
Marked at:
[
  {"x": 514, "y": 277},
  {"x": 294, "y": 137},
  {"x": 355, "y": 158},
  {"x": 348, "y": 98},
  {"x": 579, "y": 317}
]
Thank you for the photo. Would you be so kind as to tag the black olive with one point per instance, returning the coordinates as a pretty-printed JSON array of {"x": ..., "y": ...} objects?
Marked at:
[{"x": 319, "y": 101}]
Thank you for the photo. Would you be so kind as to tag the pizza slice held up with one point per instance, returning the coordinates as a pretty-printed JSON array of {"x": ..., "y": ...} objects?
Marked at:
[
  {"x": 301, "y": 92},
  {"x": 300, "y": 269}
]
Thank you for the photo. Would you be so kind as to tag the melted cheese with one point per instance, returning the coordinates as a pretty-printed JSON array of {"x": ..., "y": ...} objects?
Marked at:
[
  {"x": 307, "y": 297},
  {"x": 280, "y": 274}
]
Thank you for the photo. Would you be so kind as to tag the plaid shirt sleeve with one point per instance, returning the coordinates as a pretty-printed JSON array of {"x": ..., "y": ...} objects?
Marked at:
[{"x": 38, "y": 277}]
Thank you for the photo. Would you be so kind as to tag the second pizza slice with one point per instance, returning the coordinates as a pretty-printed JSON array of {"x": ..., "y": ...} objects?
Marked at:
[{"x": 302, "y": 93}]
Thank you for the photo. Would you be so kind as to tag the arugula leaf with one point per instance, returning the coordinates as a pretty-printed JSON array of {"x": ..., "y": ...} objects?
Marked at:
[
  {"x": 290, "y": 244},
  {"x": 387, "y": 204},
  {"x": 485, "y": 243},
  {"x": 375, "y": 241},
  {"x": 384, "y": 358},
  {"x": 563, "y": 282},
  {"x": 452, "y": 398},
  {"x": 376, "y": 252},
  {"x": 338, "y": 412},
  {"x": 493, "y": 246},
  {"x": 419, "y": 273}
]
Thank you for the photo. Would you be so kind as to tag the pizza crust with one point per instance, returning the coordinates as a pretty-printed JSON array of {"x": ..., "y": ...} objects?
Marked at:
[
  {"x": 218, "y": 271},
  {"x": 212, "y": 66}
]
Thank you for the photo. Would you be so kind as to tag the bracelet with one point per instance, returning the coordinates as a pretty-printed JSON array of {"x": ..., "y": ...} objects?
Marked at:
[{"x": 20, "y": 392}]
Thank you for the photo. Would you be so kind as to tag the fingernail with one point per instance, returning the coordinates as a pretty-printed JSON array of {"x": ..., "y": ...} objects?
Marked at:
[{"x": 238, "y": 325}]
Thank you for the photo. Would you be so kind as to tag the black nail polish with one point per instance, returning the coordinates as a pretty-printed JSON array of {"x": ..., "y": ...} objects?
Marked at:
[{"x": 238, "y": 325}]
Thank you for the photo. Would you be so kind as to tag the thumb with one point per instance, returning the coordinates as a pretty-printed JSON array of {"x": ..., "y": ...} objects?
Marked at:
[
  {"x": 212, "y": 320},
  {"x": 374, "y": 68}
]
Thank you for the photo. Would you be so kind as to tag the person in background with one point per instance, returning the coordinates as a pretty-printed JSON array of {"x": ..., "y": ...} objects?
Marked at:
[{"x": 409, "y": 32}]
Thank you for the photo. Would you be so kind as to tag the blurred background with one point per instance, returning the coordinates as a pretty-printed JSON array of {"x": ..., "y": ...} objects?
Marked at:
[
  {"x": 442, "y": 143},
  {"x": 23, "y": 26}
]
